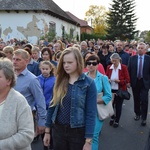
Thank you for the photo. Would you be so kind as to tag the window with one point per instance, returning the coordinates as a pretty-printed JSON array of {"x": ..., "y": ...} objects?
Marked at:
[{"x": 71, "y": 33}]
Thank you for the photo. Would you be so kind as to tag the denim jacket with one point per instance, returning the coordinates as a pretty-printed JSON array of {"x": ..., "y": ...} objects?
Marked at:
[{"x": 83, "y": 106}]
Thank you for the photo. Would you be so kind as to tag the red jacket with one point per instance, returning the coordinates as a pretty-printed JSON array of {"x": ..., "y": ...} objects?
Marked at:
[{"x": 123, "y": 76}]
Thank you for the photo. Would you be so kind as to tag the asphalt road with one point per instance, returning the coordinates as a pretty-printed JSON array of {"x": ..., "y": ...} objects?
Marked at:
[{"x": 130, "y": 135}]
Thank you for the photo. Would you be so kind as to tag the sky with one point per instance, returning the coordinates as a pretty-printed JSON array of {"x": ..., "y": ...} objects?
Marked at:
[{"x": 79, "y": 7}]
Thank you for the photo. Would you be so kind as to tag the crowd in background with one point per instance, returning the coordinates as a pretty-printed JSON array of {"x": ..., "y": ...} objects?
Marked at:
[{"x": 114, "y": 60}]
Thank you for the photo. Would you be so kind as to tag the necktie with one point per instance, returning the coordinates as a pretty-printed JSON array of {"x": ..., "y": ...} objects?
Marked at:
[{"x": 140, "y": 69}]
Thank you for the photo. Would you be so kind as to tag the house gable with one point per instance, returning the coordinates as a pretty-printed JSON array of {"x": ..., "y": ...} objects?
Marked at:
[
  {"x": 47, "y": 6},
  {"x": 30, "y": 20}
]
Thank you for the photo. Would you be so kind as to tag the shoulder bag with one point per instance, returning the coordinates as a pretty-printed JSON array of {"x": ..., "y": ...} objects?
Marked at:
[
  {"x": 104, "y": 111},
  {"x": 123, "y": 94}
]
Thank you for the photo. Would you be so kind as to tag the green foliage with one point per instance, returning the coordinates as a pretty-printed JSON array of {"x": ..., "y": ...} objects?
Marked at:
[
  {"x": 97, "y": 15},
  {"x": 147, "y": 38},
  {"x": 50, "y": 35},
  {"x": 121, "y": 20},
  {"x": 87, "y": 36}
]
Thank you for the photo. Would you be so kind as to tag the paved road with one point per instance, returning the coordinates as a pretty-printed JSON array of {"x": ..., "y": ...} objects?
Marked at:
[{"x": 130, "y": 135}]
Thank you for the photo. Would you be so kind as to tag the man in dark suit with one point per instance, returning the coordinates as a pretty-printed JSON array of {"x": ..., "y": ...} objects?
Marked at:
[{"x": 139, "y": 71}]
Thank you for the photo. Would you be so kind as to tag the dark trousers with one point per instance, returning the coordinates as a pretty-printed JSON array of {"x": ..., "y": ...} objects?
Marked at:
[
  {"x": 66, "y": 138},
  {"x": 140, "y": 95},
  {"x": 117, "y": 105}
]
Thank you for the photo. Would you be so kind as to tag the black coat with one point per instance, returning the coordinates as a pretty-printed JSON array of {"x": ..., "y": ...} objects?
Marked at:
[{"x": 132, "y": 68}]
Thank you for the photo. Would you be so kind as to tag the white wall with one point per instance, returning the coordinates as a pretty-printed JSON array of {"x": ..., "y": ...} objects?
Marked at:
[{"x": 30, "y": 26}]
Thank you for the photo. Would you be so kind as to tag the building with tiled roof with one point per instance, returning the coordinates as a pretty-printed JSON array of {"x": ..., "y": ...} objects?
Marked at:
[{"x": 84, "y": 27}]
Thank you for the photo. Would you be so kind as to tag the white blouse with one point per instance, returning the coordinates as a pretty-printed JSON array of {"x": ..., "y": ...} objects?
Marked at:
[{"x": 115, "y": 76}]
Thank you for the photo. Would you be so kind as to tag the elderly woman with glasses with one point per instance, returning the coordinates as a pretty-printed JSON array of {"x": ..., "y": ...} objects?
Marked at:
[{"x": 102, "y": 84}]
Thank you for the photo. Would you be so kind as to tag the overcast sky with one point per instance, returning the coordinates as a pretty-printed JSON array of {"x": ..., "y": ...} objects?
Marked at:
[{"x": 79, "y": 7}]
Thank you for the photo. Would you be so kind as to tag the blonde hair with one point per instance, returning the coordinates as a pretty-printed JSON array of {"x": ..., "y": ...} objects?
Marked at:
[
  {"x": 8, "y": 49},
  {"x": 50, "y": 65},
  {"x": 61, "y": 45},
  {"x": 62, "y": 78},
  {"x": 78, "y": 46},
  {"x": 35, "y": 49},
  {"x": 24, "y": 54}
]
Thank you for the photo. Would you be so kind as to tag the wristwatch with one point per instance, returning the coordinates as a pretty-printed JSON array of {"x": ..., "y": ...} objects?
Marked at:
[{"x": 88, "y": 140}]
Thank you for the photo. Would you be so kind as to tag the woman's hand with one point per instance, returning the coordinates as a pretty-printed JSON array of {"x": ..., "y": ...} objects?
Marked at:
[
  {"x": 128, "y": 85},
  {"x": 109, "y": 80},
  {"x": 87, "y": 146},
  {"x": 100, "y": 101},
  {"x": 46, "y": 139},
  {"x": 117, "y": 81}
]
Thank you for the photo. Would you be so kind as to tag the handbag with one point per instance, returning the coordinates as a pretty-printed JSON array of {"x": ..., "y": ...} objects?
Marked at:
[
  {"x": 104, "y": 111},
  {"x": 123, "y": 94}
]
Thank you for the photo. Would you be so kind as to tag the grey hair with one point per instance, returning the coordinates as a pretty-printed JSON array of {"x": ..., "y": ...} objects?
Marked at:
[
  {"x": 7, "y": 66},
  {"x": 141, "y": 43},
  {"x": 83, "y": 43},
  {"x": 115, "y": 56}
]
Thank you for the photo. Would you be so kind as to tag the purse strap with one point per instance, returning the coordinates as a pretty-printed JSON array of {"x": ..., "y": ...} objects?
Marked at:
[{"x": 102, "y": 83}]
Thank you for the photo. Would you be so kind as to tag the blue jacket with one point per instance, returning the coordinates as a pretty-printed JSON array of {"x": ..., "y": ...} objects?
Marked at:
[
  {"x": 83, "y": 106},
  {"x": 47, "y": 84},
  {"x": 34, "y": 67},
  {"x": 124, "y": 57},
  {"x": 102, "y": 84}
]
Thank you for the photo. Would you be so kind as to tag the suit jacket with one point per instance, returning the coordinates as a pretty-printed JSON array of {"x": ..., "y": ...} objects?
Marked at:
[
  {"x": 133, "y": 67},
  {"x": 123, "y": 76}
]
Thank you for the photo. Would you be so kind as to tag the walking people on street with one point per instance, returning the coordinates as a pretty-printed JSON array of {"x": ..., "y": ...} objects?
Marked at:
[
  {"x": 16, "y": 121},
  {"x": 102, "y": 85},
  {"x": 119, "y": 79},
  {"x": 139, "y": 71},
  {"x": 28, "y": 85}
]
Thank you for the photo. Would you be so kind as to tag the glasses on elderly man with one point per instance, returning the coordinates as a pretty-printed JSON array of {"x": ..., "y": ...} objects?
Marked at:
[{"x": 93, "y": 63}]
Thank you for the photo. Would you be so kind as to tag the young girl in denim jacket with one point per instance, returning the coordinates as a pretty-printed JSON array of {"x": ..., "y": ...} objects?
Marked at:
[{"x": 73, "y": 109}]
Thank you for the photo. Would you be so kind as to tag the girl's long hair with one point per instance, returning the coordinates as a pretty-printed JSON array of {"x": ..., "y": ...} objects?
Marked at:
[{"x": 62, "y": 78}]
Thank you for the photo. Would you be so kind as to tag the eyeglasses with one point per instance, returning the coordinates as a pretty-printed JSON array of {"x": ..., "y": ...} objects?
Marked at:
[
  {"x": 95, "y": 49},
  {"x": 93, "y": 63}
]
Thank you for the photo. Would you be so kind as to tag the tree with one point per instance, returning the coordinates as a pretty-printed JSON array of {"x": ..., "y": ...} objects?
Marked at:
[
  {"x": 121, "y": 20},
  {"x": 147, "y": 38},
  {"x": 97, "y": 15},
  {"x": 50, "y": 35}
]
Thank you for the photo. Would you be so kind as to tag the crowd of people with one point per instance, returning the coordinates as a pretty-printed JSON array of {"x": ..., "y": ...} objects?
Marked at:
[{"x": 60, "y": 81}]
